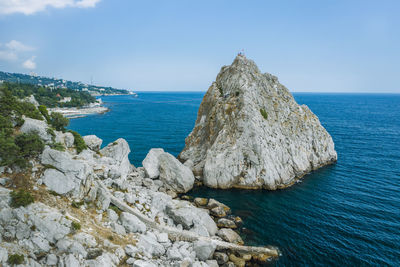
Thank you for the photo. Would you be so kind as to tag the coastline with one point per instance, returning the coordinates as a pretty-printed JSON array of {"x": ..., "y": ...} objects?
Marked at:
[{"x": 73, "y": 113}]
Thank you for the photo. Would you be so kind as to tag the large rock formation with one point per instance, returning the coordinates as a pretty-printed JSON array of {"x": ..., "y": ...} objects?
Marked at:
[{"x": 251, "y": 133}]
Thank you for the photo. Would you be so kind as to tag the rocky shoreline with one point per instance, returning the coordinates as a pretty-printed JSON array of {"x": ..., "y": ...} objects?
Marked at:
[
  {"x": 94, "y": 208},
  {"x": 73, "y": 113}
]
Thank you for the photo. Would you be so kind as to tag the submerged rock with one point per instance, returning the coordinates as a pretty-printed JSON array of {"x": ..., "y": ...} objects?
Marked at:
[{"x": 251, "y": 133}]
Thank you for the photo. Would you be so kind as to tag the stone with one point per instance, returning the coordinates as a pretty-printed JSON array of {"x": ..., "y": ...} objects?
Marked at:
[
  {"x": 188, "y": 215},
  {"x": 251, "y": 133},
  {"x": 58, "y": 182},
  {"x": 118, "y": 229},
  {"x": 3, "y": 255},
  {"x": 174, "y": 174},
  {"x": 221, "y": 257},
  {"x": 93, "y": 142},
  {"x": 199, "y": 201},
  {"x": 69, "y": 139},
  {"x": 151, "y": 164},
  {"x": 112, "y": 215},
  {"x": 103, "y": 199},
  {"x": 142, "y": 263},
  {"x": 36, "y": 126},
  {"x": 239, "y": 262},
  {"x": 31, "y": 99},
  {"x": 230, "y": 236},
  {"x": 226, "y": 223},
  {"x": 212, "y": 203},
  {"x": 162, "y": 237},
  {"x": 218, "y": 212},
  {"x": 71, "y": 261},
  {"x": 204, "y": 250},
  {"x": 131, "y": 250},
  {"x": 212, "y": 263},
  {"x": 149, "y": 245},
  {"x": 86, "y": 239},
  {"x": 118, "y": 151},
  {"x": 51, "y": 259},
  {"x": 131, "y": 223}
]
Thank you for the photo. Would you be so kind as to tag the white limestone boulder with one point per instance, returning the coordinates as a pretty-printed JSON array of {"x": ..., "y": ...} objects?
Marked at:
[{"x": 151, "y": 163}]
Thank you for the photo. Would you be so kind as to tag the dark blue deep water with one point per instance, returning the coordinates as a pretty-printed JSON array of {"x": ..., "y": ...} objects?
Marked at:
[{"x": 347, "y": 214}]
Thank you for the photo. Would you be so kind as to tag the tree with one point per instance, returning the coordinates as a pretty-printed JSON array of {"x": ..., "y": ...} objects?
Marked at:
[{"x": 58, "y": 121}]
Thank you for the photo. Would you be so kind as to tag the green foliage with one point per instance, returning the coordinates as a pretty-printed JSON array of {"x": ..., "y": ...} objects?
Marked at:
[
  {"x": 15, "y": 259},
  {"x": 75, "y": 226},
  {"x": 13, "y": 109},
  {"x": 50, "y": 98},
  {"x": 77, "y": 204},
  {"x": 58, "y": 146},
  {"x": 8, "y": 149},
  {"x": 221, "y": 91},
  {"x": 21, "y": 198},
  {"x": 30, "y": 145},
  {"x": 78, "y": 142},
  {"x": 58, "y": 121},
  {"x": 264, "y": 113},
  {"x": 45, "y": 113}
]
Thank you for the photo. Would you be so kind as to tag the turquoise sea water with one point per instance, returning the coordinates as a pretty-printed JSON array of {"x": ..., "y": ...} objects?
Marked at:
[{"x": 347, "y": 214}]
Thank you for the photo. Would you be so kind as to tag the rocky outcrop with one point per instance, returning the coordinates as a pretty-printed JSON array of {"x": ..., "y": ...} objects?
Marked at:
[
  {"x": 118, "y": 151},
  {"x": 36, "y": 126},
  {"x": 93, "y": 142},
  {"x": 251, "y": 133}
]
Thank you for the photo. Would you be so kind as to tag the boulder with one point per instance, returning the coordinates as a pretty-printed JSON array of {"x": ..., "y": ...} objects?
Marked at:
[
  {"x": 189, "y": 216},
  {"x": 93, "y": 142},
  {"x": 148, "y": 244},
  {"x": 151, "y": 164},
  {"x": 204, "y": 249},
  {"x": 230, "y": 236},
  {"x": 36, "y": 126},
  {"x": 118, "y": 151},
  {"x": 131, "y": 223},
  {"x": 251, "y": 133},
  {"x": 226, "y": 223},
  {"x": 174, "y": 174},
  {"x": 58, "y": 182}
]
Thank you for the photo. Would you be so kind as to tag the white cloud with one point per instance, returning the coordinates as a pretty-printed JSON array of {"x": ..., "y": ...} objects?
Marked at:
[
  {"x": 18, "y": 46},
  {"x": 8, "y": 55},
  {"x": 30, "y": 63},
  {"x": 29, "y": 7}
]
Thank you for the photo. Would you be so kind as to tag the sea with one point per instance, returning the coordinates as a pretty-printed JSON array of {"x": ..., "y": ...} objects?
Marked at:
[{"x": 346, "y": 214}]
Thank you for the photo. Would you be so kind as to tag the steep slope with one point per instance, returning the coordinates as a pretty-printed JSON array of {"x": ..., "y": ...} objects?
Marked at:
[{"x": 251, "y": 133}]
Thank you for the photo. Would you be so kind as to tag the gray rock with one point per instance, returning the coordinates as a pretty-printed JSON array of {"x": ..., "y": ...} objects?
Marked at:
[
  {"x": 51, "y": 259},
  {"x": 41, "y": 243},
  {"x": 251, "y": 133},
  {"x": 58, "y": 182},
  {"x": 118, "y": 229},
  {"x": 131, "y": 250},
  {"x": 230, "y": 236},
  {"x": 118, "y": 151},
  {"x": 151, "y": 164},
  {"x": 69, "y": 139},
  {"x": 204, "y": 250},
  {"x": 31, "y": 99},
  {"x": 3, "y": 255},
  {"x": 112, "y": 215},
  {"x": 131, "y": 223},
  {"x": 36, "y": 126},
  {"x": 174, "y": 174},
  {"x": 71, "y": 261},
  {"x": 142, "y": 263},
  {"x": 226, "y": 223},
  {"x": 184, "y": 213},
  {"x": 93, "y": 142},
  {"x": 103, "y": 199},
  {"x": 149, "y": 245},
  {"x": 212, "y": 263},
  {"x": 221, "y": 257},
  {"x": 85, "y": 239}
]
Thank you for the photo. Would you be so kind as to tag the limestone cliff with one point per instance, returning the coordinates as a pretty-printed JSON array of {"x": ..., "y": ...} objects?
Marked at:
[{"x": 251, "y": 133}]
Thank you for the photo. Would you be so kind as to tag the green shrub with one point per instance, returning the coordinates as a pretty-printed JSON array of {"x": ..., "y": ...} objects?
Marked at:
[
  {"x": 9, "y": 151},
  {"x": 15, "y": 259},
  {"x": 78, "y": 142},
  {"x": 30, "y": 144},
  {"x": 75, "y": 226},
  {"x": 58, "y": 121},
  {"x": 77, "y": 204},
  {"x": 220, "y": 91},
  {"x": 45, "y": 113},
  {"x": 264, "y": 113},
  {"x": 116, "y": 209},
  {"x": 21, "y": 198},
  {"x": 29, "y": 110},
  {"x": 58, "y": 146}
]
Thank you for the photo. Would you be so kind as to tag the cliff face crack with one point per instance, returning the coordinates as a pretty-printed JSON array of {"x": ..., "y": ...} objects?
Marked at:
[{"x": 255, "y": 113}]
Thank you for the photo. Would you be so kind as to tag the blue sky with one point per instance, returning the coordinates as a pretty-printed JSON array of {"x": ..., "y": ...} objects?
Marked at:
[{"x": 312, "y": 46}]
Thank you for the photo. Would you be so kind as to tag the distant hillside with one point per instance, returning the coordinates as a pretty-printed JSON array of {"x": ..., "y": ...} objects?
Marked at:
[{"x": 54, "y": 83}]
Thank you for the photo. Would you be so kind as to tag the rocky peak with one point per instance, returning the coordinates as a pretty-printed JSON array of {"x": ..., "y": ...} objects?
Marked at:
[{"x": 251, "y": 133}]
